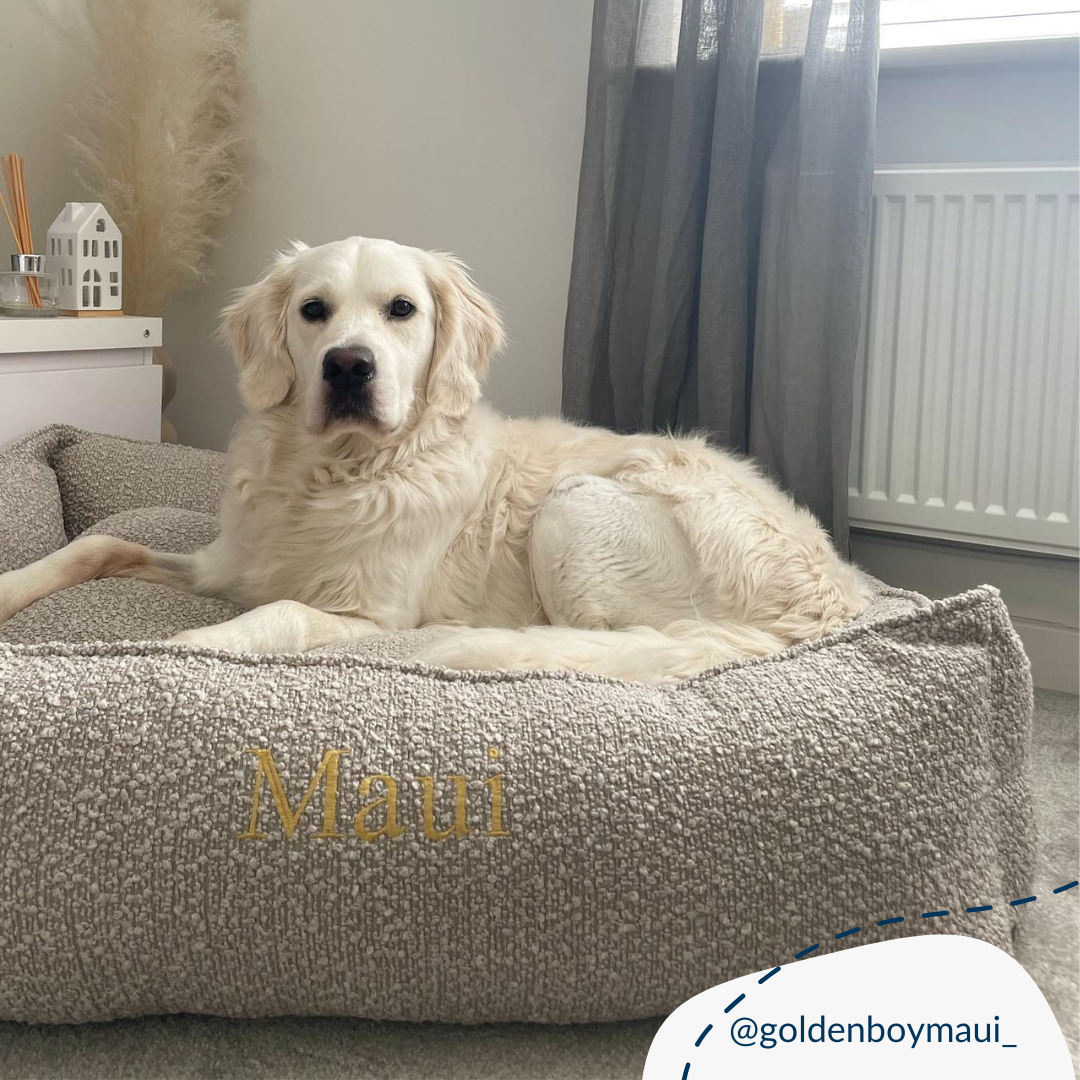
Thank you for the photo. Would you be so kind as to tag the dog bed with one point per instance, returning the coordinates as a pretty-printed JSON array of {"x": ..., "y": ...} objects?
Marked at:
[{"x": 343, "y": 832}]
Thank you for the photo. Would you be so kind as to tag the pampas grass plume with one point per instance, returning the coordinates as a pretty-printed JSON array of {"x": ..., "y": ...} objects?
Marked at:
[{"x": 155, "y": 139}]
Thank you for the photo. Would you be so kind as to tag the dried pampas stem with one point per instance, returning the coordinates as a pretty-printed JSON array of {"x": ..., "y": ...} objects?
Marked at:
[{"x": 155, "y": 137}]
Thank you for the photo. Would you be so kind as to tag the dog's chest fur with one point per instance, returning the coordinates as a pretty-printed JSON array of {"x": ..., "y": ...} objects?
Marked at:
[{"x": 435, "y": 537}]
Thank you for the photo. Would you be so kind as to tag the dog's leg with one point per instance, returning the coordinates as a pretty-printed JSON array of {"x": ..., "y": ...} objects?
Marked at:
[
  {"x": 638, "y": 653},
  {"x": 619, "y": 582},
  {"x": 280, "y": 627},
  {"x": 87, "y": 558},
  {"x": 283, "y": 626}
]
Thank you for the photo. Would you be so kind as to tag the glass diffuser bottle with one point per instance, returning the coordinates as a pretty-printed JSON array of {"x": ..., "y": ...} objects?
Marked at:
[{"x": 27, "y": 290}]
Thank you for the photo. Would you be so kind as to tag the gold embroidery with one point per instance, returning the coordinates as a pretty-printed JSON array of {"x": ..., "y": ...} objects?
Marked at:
[
  {"x": 460, "y": 827},
  {"x": 390, "y": 826},
  {"x": 495, "y": 783},
  {"x": 267, "y": 771}
]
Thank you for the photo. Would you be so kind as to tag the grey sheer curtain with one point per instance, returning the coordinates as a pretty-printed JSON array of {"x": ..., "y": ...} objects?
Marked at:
[{"x": 722, "y": 226}]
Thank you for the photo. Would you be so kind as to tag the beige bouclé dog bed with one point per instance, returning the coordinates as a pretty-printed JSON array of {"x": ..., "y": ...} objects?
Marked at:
[{"x": 562, "y": 847}]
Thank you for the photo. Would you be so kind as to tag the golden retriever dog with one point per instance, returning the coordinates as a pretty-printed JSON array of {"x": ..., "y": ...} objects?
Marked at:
[{"x": 370, "y": 490}]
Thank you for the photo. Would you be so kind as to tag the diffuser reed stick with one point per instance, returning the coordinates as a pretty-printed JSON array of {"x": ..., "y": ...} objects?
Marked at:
[{"x": 15, "y": 178}]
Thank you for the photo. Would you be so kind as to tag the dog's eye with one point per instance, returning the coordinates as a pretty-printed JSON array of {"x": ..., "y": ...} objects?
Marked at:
[
  {"x": 314, "y": 311},
  {"x": 401, "y": 308}
]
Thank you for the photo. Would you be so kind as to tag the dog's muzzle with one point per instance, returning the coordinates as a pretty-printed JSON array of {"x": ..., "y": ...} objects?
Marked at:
[{"x": 347, "y": 374}]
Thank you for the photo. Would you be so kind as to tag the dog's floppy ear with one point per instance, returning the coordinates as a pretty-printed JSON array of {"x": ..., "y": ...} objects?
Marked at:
[
  {"x": 253, "y": 325},
  {"x": 468, "y": 332}
]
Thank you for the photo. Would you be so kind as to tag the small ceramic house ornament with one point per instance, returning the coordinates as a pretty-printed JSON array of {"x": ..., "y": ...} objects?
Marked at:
[{"x": 84, "y": 250}]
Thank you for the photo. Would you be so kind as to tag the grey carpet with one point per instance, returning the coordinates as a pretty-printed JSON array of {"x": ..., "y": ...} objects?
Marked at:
[
  {"x": 1049, "y": 945},
  {"x": 206, "y": 1047}
]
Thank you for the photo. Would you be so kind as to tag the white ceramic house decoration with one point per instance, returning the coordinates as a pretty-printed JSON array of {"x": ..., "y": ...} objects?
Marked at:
[{"x": 84, "y": 249}]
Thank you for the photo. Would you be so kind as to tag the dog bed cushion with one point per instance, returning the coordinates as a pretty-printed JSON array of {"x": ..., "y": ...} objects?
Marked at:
[{"x": 343, "y": 832}]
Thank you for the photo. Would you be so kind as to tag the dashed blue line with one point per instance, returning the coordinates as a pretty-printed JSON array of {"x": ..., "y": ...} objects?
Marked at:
[{"x": 881, "y": 922}]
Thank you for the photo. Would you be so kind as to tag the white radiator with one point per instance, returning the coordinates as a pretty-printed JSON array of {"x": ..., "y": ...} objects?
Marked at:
[{"x": 967, "y": 397}]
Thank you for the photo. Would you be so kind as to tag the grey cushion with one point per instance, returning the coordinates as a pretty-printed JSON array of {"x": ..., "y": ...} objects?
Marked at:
[
  {"x": 31, "y": 513},
  {"x": 100, "y": 475},
  {"x": 658, "y": 840}
]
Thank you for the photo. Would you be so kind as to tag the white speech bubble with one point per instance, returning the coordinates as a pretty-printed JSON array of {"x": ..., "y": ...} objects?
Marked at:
[{"x": 842, "y": 1015}]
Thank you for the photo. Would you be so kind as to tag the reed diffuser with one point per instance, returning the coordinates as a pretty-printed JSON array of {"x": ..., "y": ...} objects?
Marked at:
[{"x": 26, "y": 289}]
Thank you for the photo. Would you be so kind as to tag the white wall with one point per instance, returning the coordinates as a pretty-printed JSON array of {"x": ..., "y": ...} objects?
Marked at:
[
  {"x": 34, "y": 116},
  {"x": 988, "y": 113},
  {"x": 444, "y": 125}
]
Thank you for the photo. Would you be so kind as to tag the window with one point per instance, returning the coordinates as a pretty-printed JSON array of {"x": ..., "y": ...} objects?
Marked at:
[
  {"x": 100, "y": 224},
  {"x": 71, "y": 246},
  {"x": 114, "y": 276},
  {"x": 938, "y": 31},
  {"x": 85, "y": 248},
  {"x": 115, "y": 248},
  {"x": 86, "y": 290},
  {"x": 914, "y": 24},
  {"x": 114, "y": 290},
  {"x": 93, "y": 248}
]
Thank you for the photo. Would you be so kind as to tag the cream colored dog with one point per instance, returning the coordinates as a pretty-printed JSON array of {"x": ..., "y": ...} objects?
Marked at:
[{"x": 368, "y": 490}]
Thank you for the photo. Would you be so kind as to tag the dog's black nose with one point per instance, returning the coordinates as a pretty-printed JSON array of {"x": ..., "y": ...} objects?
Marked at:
[{"x": 347, "y": 367}]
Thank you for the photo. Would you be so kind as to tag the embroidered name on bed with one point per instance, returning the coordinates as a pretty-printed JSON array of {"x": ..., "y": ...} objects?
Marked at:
[{"x": 446, "y": 809}]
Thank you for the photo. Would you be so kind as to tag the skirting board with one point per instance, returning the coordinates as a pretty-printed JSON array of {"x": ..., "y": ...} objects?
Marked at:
[
  {"x": 1053, "y": 651},
  {"x": 1042, "y": 592}
]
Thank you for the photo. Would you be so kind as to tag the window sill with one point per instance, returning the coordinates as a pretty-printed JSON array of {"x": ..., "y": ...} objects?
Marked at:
[{"x": 1038, "y": 50}]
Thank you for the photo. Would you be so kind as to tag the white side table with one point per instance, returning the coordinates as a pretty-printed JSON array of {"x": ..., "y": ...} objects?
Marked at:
[{"x": 97, "y": 374}]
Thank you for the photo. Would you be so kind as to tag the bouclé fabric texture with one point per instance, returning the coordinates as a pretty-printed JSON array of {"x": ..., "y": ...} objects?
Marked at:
[{"x": 343, "y": 832}]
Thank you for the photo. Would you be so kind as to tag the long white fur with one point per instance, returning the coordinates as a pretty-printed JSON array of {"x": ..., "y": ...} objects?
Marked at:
[{"x": 644, "y": 557}]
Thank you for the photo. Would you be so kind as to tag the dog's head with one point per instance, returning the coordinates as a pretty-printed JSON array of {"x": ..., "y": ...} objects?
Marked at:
[{"x": 363, "y": 335}]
